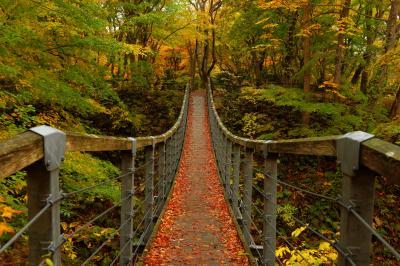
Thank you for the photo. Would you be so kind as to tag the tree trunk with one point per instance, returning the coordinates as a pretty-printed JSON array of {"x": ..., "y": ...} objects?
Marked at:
[
  {"x": 391, "y": 37},
  {"x": 307, "y": 48},
  {"x": 341, "y": 45},
  {"x": 307, "y": 57},
  {"x": 395, "y": 110}
]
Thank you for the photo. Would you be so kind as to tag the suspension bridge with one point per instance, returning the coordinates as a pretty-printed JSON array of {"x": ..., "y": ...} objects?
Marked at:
[{"x": 197, "y": 164}]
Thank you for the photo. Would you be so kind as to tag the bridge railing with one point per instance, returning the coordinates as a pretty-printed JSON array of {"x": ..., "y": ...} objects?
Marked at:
[
  {"x": 40, "y": 152},
  {"x": 361, "y": 157}
]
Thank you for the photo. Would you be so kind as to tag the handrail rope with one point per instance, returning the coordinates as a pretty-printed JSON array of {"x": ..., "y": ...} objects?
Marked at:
[
  {"x": 260, "y": 235},
  {"x": 240, "y": 207},
  {"x": 26, "y": 227},
  {"x": 276, "y": 257},
  {"x": 106, "y": 241},
  {"x": 72, "y": 193},
  {"x": 338, "y": 201},
  {"x": 284, "y": 238},
  {"x": 296, "y": 187},
  {"x": 137, "y": 248},
  {"x": 151, "y": 195},
  {"x": 64, "y": 239},
  {"x": 133, "y": 234},
  {"x": 69, "y": 194},
  {"x": 333, "y": 243},
  {"x": 351, "y": 209}
]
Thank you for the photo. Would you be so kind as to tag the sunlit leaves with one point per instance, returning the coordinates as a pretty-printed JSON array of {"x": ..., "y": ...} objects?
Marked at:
[
  {"x": 4, "y": 228},
  {"x": 298, "y": 231}
]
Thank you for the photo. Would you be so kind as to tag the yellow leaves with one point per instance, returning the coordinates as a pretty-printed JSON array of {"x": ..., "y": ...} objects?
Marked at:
[
  {"x": 324, "y": 246},
  {"x": 8, "y": 212},
  {"x": 281, "y": 251},
  {"x": 325, "y": 254},
  {"x": 259, "y": 177},
  {"x": 377, "y": 222},
  {"x": 98, "y": 106},
  {"x": 135, "y": 49},
  {"x": 49, "y": 118},
  {"x": 292, "y": 5},
  {"x": 69, "y": 249},
  {"x": 298, "y": 231},
  {"x": 103, "y": 232},
  {"x": 4, "y": 228},
  {"x": 242, "y": 253},
  {"x": 49, "y": 262},
  {"x": 262, "y": 21},
  {"x": 329, "y": 84}
]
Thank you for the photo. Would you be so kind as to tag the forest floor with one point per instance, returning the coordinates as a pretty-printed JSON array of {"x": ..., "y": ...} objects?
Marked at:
[{"x": 197, "y": 228}]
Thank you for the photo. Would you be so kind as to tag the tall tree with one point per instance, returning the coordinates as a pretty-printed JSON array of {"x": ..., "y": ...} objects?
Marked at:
[{"x": 340, "y": 49}]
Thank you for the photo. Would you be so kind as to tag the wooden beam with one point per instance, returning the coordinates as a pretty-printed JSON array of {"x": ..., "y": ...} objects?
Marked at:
[
  {"x": 85, "y": 142},
  {"x": 382, "y": 157},
  {"x": 20, "y": 151}
]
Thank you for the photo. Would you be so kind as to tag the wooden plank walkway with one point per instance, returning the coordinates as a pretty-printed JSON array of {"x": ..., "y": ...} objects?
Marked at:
[{"x": 196, "y": 228}]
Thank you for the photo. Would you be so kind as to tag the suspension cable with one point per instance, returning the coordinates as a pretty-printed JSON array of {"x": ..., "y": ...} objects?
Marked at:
[
  {"x": 283, "y": 237},
  {"x": 106, "y": 242},
  {"x": 69, "y": 194},
  {"x": 133, "y": 234},
  {"x": 260, "y": 234},
  {"x": 334, "y": 243},
  {"x": 137, "y": 248},
  {"x": 26, "y": 227},
  {"x": 296, "y": 187},
  {"x": 351, "y": 209},
  {"x": 72, "y": 193},
  {"x": 73, "y": 234}
]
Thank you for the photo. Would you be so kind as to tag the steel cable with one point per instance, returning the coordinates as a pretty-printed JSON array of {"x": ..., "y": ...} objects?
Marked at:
[
  {"x": 73, "y": 234},
  {"x": 133, "y": 234},
  {"x": 106, "y": 242},
  {"x": 69, "y": 194},
  {"x": 351, "y": 209},
  {"x": 26, "y": 227},
  {"x": 333, "y": 243},
  {"x": 283, "y": 237},
  {"x": 137, "y": 248},
  {"x": 297, "y": 188},
  {"x": 72, "y": 193}
]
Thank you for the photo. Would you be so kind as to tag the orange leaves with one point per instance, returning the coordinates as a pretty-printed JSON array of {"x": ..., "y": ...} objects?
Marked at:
[
  {"x": 197, "y": 228},
  {"x": 4, "y": 228},
  {"x": 285, "y": 4},
  {"x": 8, "y": 212}
]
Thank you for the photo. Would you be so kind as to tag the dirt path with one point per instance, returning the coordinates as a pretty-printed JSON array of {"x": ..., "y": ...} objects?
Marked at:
[{"x": 197, "y": 228}]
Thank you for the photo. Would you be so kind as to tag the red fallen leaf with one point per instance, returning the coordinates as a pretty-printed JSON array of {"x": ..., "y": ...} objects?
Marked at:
[{"x": 214, "y": 206}]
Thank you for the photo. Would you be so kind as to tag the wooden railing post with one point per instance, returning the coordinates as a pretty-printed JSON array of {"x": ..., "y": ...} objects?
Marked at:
[
  {"x": 175, "y": 138},
  {"x": 168, "y": 164},
  {"x": 162, "y": 172},
  {"x": 228, "y": 168},
  {"x": 221, "y": 148},
  {"x": 127, "y": 193},
  {"x": 358, "y": 189},
  {"x": 223, "y": 159},
  {"x": 43, "y": 190},
  {"x": 236, "y": 173},
  {"x": 270, "y": 203},
  {"x": 149, "y": 189},
  {"x": 248, "y": 190}
]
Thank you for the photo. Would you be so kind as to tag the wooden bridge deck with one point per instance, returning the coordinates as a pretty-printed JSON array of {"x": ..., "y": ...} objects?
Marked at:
[{"x": 197, "y": 228}]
